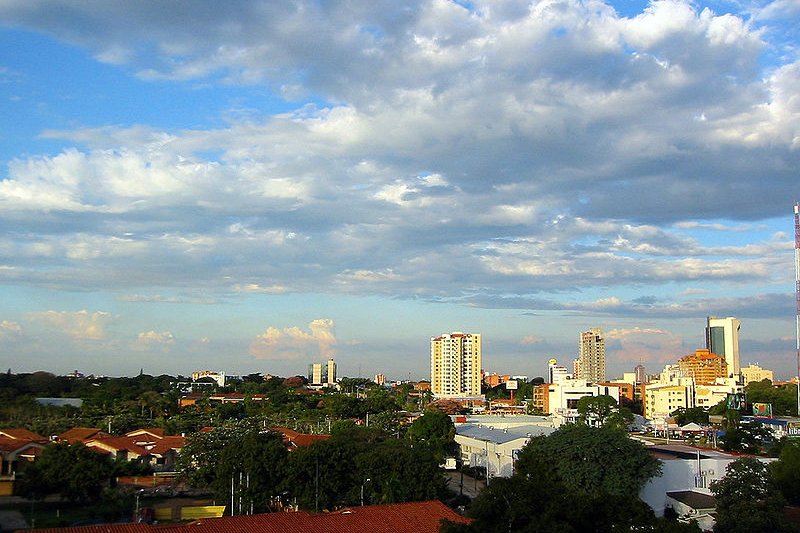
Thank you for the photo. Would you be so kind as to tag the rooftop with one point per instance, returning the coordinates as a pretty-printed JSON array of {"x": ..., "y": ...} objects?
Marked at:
[{"x": 413, "y": 517}]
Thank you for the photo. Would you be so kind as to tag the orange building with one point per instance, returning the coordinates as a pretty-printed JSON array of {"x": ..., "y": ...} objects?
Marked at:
[
  {"x": 704, "y": 366},
  {"x": 494, "y": 379}
]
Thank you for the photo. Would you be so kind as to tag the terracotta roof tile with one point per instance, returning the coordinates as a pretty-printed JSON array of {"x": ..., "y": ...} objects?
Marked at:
[
  {"x": 75, "y": 435},
  {"x": 22, "y": 434},
  {"x": 413, "y": 517}
]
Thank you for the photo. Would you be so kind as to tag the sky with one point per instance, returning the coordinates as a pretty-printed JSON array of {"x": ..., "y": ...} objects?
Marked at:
[{"x": 251, "y": 186}]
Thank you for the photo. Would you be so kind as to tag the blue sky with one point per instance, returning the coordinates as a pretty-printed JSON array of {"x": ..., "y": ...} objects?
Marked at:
[{"x": 255, "y": 186}]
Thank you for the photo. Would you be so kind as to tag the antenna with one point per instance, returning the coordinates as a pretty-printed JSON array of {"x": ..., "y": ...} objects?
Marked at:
[{"x": 797, "y": 292}]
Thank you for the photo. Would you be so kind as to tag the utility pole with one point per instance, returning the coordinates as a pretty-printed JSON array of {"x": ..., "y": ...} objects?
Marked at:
[{"x": 797, "y": 293}]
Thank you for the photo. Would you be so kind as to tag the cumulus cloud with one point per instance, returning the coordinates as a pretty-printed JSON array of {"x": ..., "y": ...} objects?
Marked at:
[
  {"x": 80, "y": 325},
  {"x": 517, "y": 155},
  {"x": 645, "y": 345},
  {"x": 9, "y": 329},
  {"x": 149, "y": 340},
  {"x": 293, "y": 342}
]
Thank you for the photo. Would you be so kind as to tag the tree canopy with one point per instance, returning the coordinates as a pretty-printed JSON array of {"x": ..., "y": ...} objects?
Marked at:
[
  {"x": 576, "y": 479},
  {"x": 747, "y": 499}
]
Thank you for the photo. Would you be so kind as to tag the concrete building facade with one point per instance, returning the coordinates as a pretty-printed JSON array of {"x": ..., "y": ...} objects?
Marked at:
[
  {"x": 591, "y": 365},
  {"x": 322, "y": 373},
  {"x": 753, "y": 372},
  {"x": 704, "y": 366},
  {"x": 456, "y": 365},
  {"x": 722, "y": 338}
]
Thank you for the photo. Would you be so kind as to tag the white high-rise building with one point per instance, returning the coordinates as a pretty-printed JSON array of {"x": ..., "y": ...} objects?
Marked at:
[
  {"x": 722, "y": 338},
  {"x": 591, "y": 365},
  {"x": 456, "y": 365}
]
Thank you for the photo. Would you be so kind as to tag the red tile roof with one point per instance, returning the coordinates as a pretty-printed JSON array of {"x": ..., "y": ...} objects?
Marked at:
[
  {"x": 75, "y": 435},
  {"x": 413, "y": 517},
  {"x": 104, "y": 528},
  {"x": 168, "y": 443},
  {"x": 8, "y": 445},
  {"x": 293, "y": 439},
  {"x": 117, "y": 444},
  {"x": 21, "y": 434}
]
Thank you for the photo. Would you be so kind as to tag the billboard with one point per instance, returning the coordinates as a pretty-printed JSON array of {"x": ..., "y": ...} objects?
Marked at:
[
  {"x": 736, "y": 402},
  {"x": 511, "y": 384},
  {"x": 793, "y": 429},
  {"x": 762, "y": 409}
]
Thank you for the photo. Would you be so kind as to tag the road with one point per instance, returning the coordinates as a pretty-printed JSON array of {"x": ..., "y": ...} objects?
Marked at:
[{"x": 471, "y": 486}]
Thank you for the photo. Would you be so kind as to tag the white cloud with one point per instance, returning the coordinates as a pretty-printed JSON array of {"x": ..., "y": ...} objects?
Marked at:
[
  {"x": 294, "y": 343},
  {"x": 149, "y": 340},
  {"x": 79, "y": 325},
  {"x": 9, "y": 329},
  {"x": 435, "y": 152},
  {"x": 653, "y": 346}
]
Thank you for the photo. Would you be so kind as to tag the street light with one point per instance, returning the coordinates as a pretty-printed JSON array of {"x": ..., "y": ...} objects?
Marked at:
[
  {"x": 136, "y": 517},
  {"x": 362, "y": 490}
]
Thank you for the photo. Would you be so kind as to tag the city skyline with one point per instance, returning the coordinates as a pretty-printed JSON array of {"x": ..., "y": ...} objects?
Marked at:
[{"x": 256, "y": 187}]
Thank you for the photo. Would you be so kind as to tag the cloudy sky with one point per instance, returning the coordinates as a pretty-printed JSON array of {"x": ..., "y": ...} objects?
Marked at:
[{"x": 249, "y": 186}]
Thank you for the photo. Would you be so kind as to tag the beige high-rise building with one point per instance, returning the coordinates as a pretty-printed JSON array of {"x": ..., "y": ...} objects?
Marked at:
[
  {"x": 591, "y": 365},
  {"x": 456, "y": 365},
  {"x": 322, "y": 373}
]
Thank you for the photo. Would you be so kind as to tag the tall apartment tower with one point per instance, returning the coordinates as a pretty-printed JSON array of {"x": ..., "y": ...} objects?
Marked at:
[
  {"x": 456, "y": 365},
  {"x": 322, "y": 373},
  {"x": 592, "y": 357},
  {"x": 722, "y": 338}
]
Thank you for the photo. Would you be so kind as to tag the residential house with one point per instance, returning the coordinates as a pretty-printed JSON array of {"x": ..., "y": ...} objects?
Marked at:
[
  {"x": 76, "y": 435},
  {"x": 18, "y": 447}
]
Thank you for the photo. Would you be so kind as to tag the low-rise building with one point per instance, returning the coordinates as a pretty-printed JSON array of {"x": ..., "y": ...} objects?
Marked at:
[
  {"x": 564, "y": 396},
  {"x": 495, "y": 448},
  {"x": 753, "y": 372},
  {"x": 685, "y": 468}
]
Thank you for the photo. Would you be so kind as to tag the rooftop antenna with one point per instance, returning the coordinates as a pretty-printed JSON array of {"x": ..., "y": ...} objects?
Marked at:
[{"x": 797, "y": 292}]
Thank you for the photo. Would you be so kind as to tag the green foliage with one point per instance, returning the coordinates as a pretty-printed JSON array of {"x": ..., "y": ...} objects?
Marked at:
[
  {"x": 786, "y": 472},
  {"x": 696, "y": 415},
  {"x": 436, "y": 431},
  {"x": 782, "y": 398},
  {"x": 747, "y": 500},
  {"x": 75, "y": 472},
  {"x": 330, "y": 474},
  {"x": 553, "y": 489},
  {"x": 603, "y": 410},
  {"x": 240, "y": 457},
  {"x": 750, "y": 437},
  {"x": 589, "y": 459}
]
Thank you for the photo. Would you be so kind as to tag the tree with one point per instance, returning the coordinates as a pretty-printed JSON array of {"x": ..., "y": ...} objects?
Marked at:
[
  {"x": 744, "y": 437},
  {"x": 595, "y": 409},
  {"x": 74, "y": 471},
  {"x": 688, "y": 415},
  {"x": 331, "y": 473},
  {"x": 576, "y": 479},
  {"x": 589, "y": 459},
  {"x": 747, "y": 500},
  {"x": 255, "y": 467},
  {"x": 435, "y": 430},
  {"x": 786, "y": 472}
]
